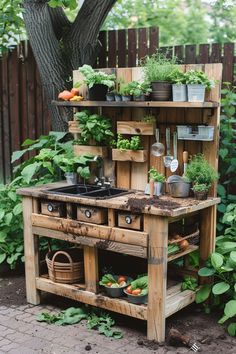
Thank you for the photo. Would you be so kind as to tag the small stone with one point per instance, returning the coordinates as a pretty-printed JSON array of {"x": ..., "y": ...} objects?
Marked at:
[
  {"x": 140, "y": 342},
  {"x": 88, "y": 347}
]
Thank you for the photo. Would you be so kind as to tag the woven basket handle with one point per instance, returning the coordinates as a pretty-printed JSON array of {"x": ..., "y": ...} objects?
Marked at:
[{"x": 68, "y": 257}]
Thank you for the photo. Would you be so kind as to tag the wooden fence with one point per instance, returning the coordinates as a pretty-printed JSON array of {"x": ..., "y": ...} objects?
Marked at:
[{"x": 23, "y": 113}]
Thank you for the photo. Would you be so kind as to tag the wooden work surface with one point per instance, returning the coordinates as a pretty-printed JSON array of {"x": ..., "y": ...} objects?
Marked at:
[{"x": 186, "y": 205}]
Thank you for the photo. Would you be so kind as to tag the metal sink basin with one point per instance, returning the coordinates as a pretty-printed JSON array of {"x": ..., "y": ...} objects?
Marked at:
[
  {"x": 106, "y": 193},
  {"x": 89, "y": 191},
  {"x": 75, "y": 189}
]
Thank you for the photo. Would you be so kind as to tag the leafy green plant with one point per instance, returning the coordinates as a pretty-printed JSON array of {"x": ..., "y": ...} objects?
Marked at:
[
  {"x": 200, "y": 187},
  {"x": 137, "y": 89},
  {"x": 140, "y": 283},
  {"x": 149, "y": 119},
  {"x": 95, "y": 127},
  {"x": 70, "y": 163},
  {"x": 159, "y": 67},
  {"x": 93, "y": 77},
  {"x": 199, "y": 171},
  {"x": 178, "y": 78},
  {"x": 96, "y": 319},
  {"x": 193, "y": 77},
  {"x": 134, "y": 143},
  {"x": 227, "y": 154},
  {"x": 222, "y": 265},
  {"x": 189, "y": 283},
  {"x": 157, "y": 177}
]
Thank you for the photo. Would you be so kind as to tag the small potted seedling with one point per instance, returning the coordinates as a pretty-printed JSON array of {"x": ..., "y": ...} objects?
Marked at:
[
  {"x": 115, "y": 284},
  {"x": 98, "y": 82},
  {"x": 139, "y": 91},
  {"x": 197, "y": 83},
  {"x": 137, "y": 291},
  {"x": 179, "y": 88},
  {"x": 126, "y": 92},
  {"x": 110, "y": 96},
  {"x": 201, "y": 174},
  {"x": 158, "y": 179}
]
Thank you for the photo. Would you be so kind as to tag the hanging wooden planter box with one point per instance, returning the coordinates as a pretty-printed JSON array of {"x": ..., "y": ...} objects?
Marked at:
[
  {"x": 73, "y": 126},
  {"x": 129, "y": 155},
  {"x": 136, "y": 128},
  {"x": 92, "y": 150}
]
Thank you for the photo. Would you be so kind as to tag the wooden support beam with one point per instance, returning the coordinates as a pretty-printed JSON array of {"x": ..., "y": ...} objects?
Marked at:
[
  {"x": 91, "y": 268},
  {"x": 31, "y": 249}
]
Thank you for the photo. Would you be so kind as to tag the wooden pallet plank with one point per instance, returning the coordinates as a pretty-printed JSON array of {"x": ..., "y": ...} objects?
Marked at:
[
  {"x": 112, "y": 49},
  {"x": 132, "y": 45}
]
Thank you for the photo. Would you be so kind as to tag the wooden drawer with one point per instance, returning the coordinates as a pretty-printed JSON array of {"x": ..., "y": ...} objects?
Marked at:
[
  {"x": 130, "y": 221},
  {"x": 53, "y": 208},
  {"x": 93, "y": 215}
]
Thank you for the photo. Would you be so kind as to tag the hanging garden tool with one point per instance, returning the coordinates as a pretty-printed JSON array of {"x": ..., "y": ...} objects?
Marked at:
[
  {"x": 168, "y": 158},
  {"x": 157, "y": 149},
  {"x": 185, "y": 160},
  {"x": 174, "y": 163}
]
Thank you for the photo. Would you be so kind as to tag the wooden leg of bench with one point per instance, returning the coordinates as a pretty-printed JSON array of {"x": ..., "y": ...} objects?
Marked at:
[
  {"x": 157, "y": 228},
  {"x": 91, "y": 268},
  {"x": 31, "y": 247}
]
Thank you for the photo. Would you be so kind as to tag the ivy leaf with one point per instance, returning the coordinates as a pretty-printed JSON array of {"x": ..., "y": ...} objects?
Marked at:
[
  {"x": 217, "y": 260},
  {"x": 223, "y": 153}
]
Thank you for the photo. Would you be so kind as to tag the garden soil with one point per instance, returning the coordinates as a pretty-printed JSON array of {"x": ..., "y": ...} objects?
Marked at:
[{"x": 192, "y": 322}]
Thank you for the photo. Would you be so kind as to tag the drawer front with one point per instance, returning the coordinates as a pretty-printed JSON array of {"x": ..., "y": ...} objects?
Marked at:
[
  {"x": 53, "y": 208},
  {"x": 130, "y": 221},
  {"x": 93, "y": 215}
]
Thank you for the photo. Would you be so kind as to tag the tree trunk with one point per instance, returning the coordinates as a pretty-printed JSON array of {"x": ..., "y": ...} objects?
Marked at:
[{"x": 60, "y": 47}]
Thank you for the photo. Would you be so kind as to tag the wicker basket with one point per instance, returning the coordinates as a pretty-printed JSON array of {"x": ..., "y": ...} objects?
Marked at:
[{"x": 65, "y": 266}]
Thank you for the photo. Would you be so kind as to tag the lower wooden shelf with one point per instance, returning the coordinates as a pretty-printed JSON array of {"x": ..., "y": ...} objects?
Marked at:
[
  {"x": 190, "y": 249},
  {"x": 175, "y": 300}
]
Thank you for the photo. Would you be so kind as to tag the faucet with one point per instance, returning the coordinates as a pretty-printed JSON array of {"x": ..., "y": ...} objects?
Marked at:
[{"x": 101, "y": 180}]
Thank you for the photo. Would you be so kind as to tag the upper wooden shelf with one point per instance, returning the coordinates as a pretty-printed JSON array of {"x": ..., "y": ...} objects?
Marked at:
[{"x": 147, "y": 104}]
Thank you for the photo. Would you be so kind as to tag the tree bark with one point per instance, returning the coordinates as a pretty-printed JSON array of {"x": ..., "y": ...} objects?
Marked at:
[{"x": 60, "y": 47}]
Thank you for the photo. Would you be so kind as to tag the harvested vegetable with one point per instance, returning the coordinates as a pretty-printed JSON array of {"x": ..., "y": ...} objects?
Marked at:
[
  {"x": 111, "y": 281},
  {"x": 173, "y": 248},
  {"x": 183, "y": 245},
  {"x": 75, "y": 91},
  {"x": 138, "y": 287},
  {"x": 76, "y": 98},
  {"x": 65, "y": 95}
]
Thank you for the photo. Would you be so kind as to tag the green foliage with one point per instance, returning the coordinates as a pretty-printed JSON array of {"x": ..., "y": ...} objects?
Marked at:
[
  {"x": 200, "y": 187},
  {"x": 94, "y": 126},
  {"x": 135, "y": 88},
  {"x": 96, "y": 319},
  {"x": 37, "y": 170},
  {"x": 70, "y": 4},
  {"x": 140, "y": 283},
  {"x": 134, "y": 143},
  {"x": 158, "y": 67},
  {"x": 93, "y": 77},
  {"x": 178, "y": 78},
  {"x": 70, "y": 163},
  {"x": 222, "y": 264},
  {"x": 172, "y": 249},
  {"x": 189, "y": 283},
  {"x": 157, "y": 177},
  {"x": 198, "y": 77},
  {"x": 200, "y": 171},
  {"x": 227, "y": 152}
]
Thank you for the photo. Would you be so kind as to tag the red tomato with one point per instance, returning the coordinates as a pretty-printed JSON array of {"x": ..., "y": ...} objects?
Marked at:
[
  {"x": 136, "y": 291},
  {"x": 65, "y": 95},
  {"x": 109, "y": 284},
  {"x": 129, "y": 290},
  {"x": 120, "y": 279}
]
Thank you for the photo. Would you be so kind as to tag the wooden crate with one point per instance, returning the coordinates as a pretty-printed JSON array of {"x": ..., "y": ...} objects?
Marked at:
[
  {"x": 73, "y": 127},
  {"x": 93, "y": 150},
  {"x": 130, "y": 221},
  {"x": 135, "y": 128},
  {"x": 53, "y": 208},
  {"x": 93, "y": 215},
  {"x": 129, "y": 155}
]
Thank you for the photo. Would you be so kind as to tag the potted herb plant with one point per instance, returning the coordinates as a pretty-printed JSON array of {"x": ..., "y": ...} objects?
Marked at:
[
  {"x": 158, "y": 179},
  {"x": 95, "y": 134},
  {"x": 128, "y": 149},
  {"x": 197, "y": 83},
  {"x": 139, "y": 91},
  {"x": 98, "y": 82},
  {"x": 159, "y": 70},
  {"x": 179, "y": 87},
  {"x": 126, "y": 92},
  {"x": 201, "y": 174},
  {"x": 110, "y": 96}
]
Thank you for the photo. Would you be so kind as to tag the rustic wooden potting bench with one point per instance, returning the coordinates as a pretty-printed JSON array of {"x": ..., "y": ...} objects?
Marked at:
[{"x": 147, "y": 235}]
